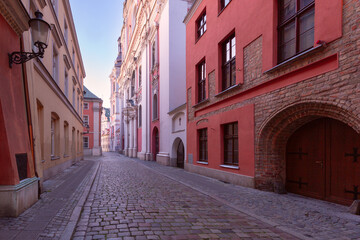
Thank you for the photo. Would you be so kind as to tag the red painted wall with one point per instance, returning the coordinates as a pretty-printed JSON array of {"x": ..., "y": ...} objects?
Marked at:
[
  {"x": 14, "y": 135},
  {"x": 248, "y": 19},
  {"x": 90, "y": 112}
]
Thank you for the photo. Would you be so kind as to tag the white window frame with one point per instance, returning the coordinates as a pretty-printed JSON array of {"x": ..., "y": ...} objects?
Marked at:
[
  {"x": 85, "y": 142},
  {"x": 86, "y": 121}
]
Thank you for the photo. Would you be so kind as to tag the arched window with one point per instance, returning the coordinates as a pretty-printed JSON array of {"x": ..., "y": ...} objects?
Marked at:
[
  {"x": 133, "y": 84},
  {"x": 155, "y": 107},
  {"x": 140, "y": 116}
]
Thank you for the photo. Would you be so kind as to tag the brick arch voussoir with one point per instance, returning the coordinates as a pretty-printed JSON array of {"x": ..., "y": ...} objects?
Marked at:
[{"x": 272, "y": 136}]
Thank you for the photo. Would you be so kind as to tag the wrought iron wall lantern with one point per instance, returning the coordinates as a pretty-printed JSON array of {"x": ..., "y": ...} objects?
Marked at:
[{"x": 40, "y": 34}]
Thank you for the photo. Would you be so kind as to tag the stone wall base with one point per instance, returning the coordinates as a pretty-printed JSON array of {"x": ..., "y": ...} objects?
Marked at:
[
  {"x": 163, "y": 159},
  {"x": 50, "y": 172},
  {"x": 233, "y": 178},
  {"x": 16, "y": 199}
]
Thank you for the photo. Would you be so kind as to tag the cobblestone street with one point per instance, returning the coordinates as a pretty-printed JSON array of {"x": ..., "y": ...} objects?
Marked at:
[
  {"x": 130, "y": 201},
  {"x": 115, "y": 197}
]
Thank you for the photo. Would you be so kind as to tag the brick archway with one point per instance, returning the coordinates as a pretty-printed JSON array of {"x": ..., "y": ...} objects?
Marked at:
[{"x": 274, "y": 133}]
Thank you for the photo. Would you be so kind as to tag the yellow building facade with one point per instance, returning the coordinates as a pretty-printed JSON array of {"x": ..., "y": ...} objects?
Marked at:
[{"x": 55, "y": 85}]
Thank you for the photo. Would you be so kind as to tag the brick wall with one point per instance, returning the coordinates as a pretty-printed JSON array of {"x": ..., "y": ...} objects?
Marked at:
[{"x": 325, "y": 83}]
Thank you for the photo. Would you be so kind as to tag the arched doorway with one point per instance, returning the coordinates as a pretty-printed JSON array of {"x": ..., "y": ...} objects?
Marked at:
[
  {"x": 323, "y": 161},
  {"x": 180, "y": 155},
  {"x": 155, "y": 145}
]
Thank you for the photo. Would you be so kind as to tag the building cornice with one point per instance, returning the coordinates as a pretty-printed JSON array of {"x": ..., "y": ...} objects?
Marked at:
[
  {"x": 192, "y": 11},
  {"x": 15, "y": 14}
]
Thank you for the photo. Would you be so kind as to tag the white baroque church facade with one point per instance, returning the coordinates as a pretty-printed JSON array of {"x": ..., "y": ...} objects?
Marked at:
[{"x": 148, "y": 110}]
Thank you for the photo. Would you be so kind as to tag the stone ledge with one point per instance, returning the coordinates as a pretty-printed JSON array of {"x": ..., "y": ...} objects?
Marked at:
[
  {"x": 233, "y": 178},
  {"x": 17, "y": 198}
]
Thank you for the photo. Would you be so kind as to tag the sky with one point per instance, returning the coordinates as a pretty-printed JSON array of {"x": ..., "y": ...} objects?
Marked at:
[{"x": 98, "y": 26}]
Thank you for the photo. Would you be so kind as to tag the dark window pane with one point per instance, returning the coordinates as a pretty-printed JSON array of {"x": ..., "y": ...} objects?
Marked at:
[
  {"x": 287, "y": 33},
  {"x": 288, "y": 50},
  {"x": 287, "y": 9},
  {"x": 233, "y": 73},
  {"x": 304, "y": 3}
]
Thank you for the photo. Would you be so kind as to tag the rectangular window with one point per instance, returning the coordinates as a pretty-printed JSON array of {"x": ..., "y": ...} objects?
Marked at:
[
  {"x": 55, "y": 5},
  {"x": 201, "y": 68},
  {"x": 52, "y": 137},
  {"x": 295, "y": 28},
  {"x": 66, "y": 84},
  {"x": 203, "y": 149},
  {"x": 224, "y": 3},
  {"x": 231, "y": 155},
  {"x": 86, "y": 105},
  {"x": 73, "y": 56},
  {"x": 201, "y": 25},
  {"x": 86, "y": 119},
  {"x": 66, "y": 32},
  {"x": 73, "y": 96},
  {"x": 66, "y": 139},
  {"x": 229, "y": 62},
  {"x": 55, "y": 72},
  {"x": 86, "y": 142},
  {"x": 139, "y": 77}
]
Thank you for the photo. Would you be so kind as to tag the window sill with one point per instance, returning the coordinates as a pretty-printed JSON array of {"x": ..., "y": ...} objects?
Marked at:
[
  {"x": 228, "y": 90},
  {"x": 294, "y": 58},
  {"x": 54, "y": 158},
  {"x": 204, "y": 163},
  {"x": 201, "y": 103},
  {"x": 229, "y": 166}
]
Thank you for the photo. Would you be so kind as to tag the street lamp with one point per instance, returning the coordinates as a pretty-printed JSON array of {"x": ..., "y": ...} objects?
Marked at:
[{"x": 39, "y": 33}]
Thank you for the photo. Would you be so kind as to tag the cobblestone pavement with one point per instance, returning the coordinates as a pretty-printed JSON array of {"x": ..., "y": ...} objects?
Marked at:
[
  {"x": 131, "y": 201},
  {"x": 49, "y": 217},
  {"x": 305, "y": 217}
]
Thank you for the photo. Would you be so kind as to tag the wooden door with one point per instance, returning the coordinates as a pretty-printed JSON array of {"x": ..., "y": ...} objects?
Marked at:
[
  {"x": 344, "y": 167},
  {"x": 323, "y": 161},
  {"x": 305, "y": 153},
  {"x": 180, "y": 155}
]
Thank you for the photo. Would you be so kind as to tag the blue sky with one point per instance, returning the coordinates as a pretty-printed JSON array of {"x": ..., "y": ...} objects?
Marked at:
[{"x": 98, "y": 26}]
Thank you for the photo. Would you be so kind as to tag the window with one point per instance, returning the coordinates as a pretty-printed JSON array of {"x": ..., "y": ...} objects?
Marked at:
[
  {"x": 78, "y": 104},
  {"x": 66, "y": 139},
  {"x": 201, "y": 68},
  {"x": 73, "y": 97},
  {"x": 73, "y": 56},
  {"x": 86, "y": 142},
  {"x": 113, "y": 109},
  {"x": 86, "y": 119},
  {"x": 66, "y": 32},
  {"x": 231, "y": 156},
  {"x": 86, "y": 105},
  {"x": 155, "y": 107},
  {"x": 66, "y": 84},
  {"x": 296, "y": 27},
  {"x": 153, "y": 55},
  {"x": 55, "y": 5},
  {"x": 78, "y": 75},
  {"x": 140, "y": 116},
  {"x": 203, "y": 149},
  {"x": 228, "y": 62},
  {"x": 114, "y": 87},
  {"x": 224, "y": 3},
  {"x": 133, "y": 84},
  {"x": 54, "y": 135},
  {"x": 201, "y": 25},
  {"x": 55, "y": 64},
  {"x": 139, "y": 76}
]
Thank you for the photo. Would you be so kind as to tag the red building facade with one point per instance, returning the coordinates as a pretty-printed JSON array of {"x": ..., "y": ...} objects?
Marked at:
[
  {"x": 273, "y": 95},
  {"x": 92, "y": 121},
  {"x": 18, "y": 183}
]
